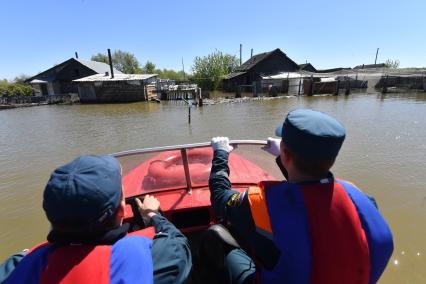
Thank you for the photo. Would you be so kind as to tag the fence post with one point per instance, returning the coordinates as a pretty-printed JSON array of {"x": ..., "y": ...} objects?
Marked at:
[
  {"x": 385, "y": 85},
  {"x": 288, "y": 83},
  {"x": 189, "y": 113},
  {"x": 336, "y": 93},
  {"x": 238, "y": 93},
  {"x": 311, "y": 91},
  {"x": 200, "y": 97},
  {"x": 300, "y": 83},
  {"x": 254, "y": 89},
  {"x": 348, "y": 86}
]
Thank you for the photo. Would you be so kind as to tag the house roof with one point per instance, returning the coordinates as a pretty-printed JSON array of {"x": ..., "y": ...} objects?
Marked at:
[
  {"x": 366, "y": 66},
  {"x": 117, "y": 77},
  {"x": 285, "y": 75},
  {"x": 333, "y": 70},
  {"x": 233, "y": 75},
  {"x": 98, "y": 67},
  {"x": 306, "y": 65},
  {"x": 256, "y": 59}
]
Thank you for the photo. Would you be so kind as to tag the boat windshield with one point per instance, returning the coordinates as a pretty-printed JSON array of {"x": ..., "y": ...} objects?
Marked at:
[{"x": 188, "y": 167}]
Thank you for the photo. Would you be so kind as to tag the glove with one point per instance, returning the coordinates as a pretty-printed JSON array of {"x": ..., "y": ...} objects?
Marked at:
[
  {"x": 273, "y": 146},
  {"x": 221, "y": 143}
]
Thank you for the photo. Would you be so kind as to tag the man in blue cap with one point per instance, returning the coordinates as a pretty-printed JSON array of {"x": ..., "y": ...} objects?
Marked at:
[
  {"x": 88, "y": 242},
  {"x": 311, "y": 228}
]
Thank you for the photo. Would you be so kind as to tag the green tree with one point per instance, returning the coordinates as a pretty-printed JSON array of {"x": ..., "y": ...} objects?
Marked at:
[
  {"x": 100, "y": 58},
  {"x": 123, "y": 61},
  {"x": 15, "y": 89},
  {"x": 126, "y": 62},
  {"x": 393, "y": 64},
  {"x": 170, "y": 74},
  {"x": 149, "y": 67},
  {"x": 209, "y": 70}
]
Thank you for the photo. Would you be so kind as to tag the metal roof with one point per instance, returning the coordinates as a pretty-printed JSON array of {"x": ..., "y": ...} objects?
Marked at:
[
  {"x": 117, "y": 77},
  {"x": 39, "y": 81},
  {"x": 98, "y": 67},
  {"x": 50, "y": 74},
  {"x": 285, "y": 75}
]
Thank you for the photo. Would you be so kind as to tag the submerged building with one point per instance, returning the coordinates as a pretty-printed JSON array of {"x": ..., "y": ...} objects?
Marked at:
[
  {"x": 251, "y": 71},
  {"x": 58, "y": 80},
  {"x": 119, "y": 88}
]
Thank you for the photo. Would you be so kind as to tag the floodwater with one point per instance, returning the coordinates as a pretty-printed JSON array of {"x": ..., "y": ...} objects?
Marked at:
[{"x": 384, "y": 154}]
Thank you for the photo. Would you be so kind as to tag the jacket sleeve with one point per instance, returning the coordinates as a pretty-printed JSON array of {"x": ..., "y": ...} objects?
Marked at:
[
  {"x": 234, "y": 207},
  {"x": 171, "y": 255},
  {"x": 7, "y": 267}
]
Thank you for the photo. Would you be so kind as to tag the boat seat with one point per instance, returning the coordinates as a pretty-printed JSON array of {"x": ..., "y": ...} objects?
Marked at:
[{"x": 223, "y": 234}]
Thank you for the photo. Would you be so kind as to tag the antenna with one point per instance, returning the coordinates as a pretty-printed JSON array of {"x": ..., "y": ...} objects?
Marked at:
[
  {"x": 183, "y": 69},
  {"x": 241, "y": 53}
]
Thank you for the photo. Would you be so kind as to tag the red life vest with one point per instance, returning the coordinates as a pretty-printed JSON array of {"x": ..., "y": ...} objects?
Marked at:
[
  {"x": 126, "y": 261},
  {"x": 322, "y": 232}
]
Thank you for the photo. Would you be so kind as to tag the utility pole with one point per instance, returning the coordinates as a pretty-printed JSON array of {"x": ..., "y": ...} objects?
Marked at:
[
  {"x": 251, "y": 55},
  {"x": 377, "y": 52},
  {"x": 241, "y": 53}
]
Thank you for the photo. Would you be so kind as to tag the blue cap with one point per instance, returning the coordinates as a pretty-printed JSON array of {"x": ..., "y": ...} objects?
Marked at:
[
  {"x": 312, "y": 134},
  {"x": 88, "y": 188}
]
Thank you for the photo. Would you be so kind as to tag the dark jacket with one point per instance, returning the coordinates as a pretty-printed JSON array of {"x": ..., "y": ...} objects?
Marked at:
[
  {"x": 170, "y": 252},
  {"x": 234, "y": 207}
]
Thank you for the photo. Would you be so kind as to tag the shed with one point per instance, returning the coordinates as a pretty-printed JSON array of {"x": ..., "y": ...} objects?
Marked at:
[
  {"x": 262, "y": 64},
  {"x": 58, "y": 79},
  {"x": 101, "y": 88}
]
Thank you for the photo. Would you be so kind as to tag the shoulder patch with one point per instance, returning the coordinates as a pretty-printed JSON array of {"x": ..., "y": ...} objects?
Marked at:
[{"x": 236, "y": 199}]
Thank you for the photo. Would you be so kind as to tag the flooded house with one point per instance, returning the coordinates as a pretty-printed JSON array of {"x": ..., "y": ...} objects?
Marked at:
[
  {"x": 250, "y": 73},
  {"x": 58, "y": 80},
  {"x": 116, "y": 88}
]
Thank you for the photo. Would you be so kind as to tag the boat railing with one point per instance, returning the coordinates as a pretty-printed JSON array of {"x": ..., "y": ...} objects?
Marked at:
[{"x": 183, "y": 150}]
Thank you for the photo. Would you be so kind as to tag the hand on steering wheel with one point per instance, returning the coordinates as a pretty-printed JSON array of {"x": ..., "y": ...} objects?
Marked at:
[{"x": 148, "y": 208}]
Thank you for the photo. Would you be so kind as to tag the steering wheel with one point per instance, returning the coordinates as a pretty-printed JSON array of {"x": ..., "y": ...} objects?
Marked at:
[{"x": 138, "y": 222}]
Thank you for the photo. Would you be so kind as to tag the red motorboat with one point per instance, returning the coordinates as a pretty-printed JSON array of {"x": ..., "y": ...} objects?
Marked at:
[{"x": 178, "y": 176}]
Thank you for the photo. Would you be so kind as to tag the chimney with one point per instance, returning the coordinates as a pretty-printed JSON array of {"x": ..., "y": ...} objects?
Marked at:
[
  {"x": 76, "y": 55},
  {"x": 110, "y": 63}
]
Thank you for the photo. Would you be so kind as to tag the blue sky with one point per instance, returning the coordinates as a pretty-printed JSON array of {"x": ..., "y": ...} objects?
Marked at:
[{"x": 35, "y": 35}]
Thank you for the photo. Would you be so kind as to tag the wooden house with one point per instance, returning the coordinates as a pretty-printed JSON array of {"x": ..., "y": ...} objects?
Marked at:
[
  {"x": 58, "y": 79},
  {"x": 262, "y": 64},
  {"x": 103, "y": 88}
]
